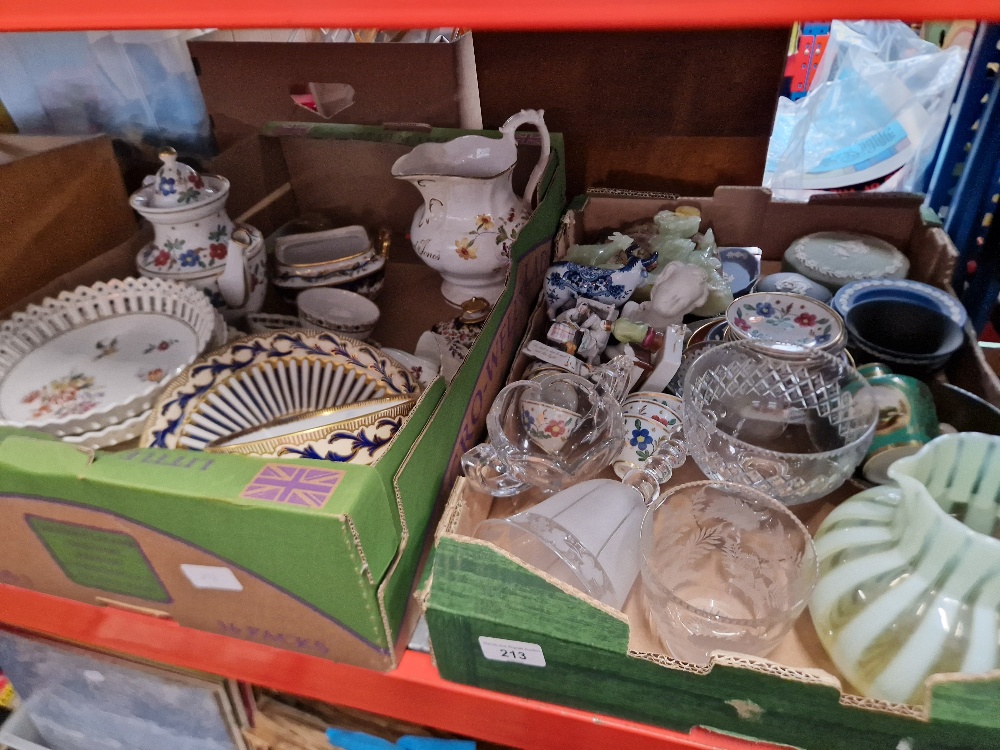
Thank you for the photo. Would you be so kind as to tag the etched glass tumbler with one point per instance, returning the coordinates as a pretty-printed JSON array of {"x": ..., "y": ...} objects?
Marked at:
[
  {"x": 723, "y": 567},
  {"x": 793, "y": 424}
]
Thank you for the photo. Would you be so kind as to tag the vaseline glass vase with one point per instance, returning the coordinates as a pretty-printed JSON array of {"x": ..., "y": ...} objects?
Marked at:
[{"x": 909, "y": 580}]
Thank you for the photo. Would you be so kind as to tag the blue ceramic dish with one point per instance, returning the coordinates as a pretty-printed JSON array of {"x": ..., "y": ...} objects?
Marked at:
[
  {"x": 788, "y": 282},
  {"x": 740, "y": 267},
  {"x": 903, "y": 291},
  {"x": 914, "y": 339}
]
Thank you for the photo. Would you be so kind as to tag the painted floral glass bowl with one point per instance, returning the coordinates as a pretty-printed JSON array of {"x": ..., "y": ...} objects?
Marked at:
[
  {"x": 97, "y": 356},
  {"x": 791, "y": 424},
  {"x": 785, "y": 319},
  {"x": 164, "y": 428}
]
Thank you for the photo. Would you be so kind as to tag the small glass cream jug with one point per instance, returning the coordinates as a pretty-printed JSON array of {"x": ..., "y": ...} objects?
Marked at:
[{"x": 471, "y": 215}]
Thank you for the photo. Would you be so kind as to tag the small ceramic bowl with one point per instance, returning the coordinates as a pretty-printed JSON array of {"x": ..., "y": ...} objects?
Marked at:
[
  {"x": 911, "y": 338},
  {"x": 789, "y": 282},
  {"x": 338, "y": 310},
  {"x": 267, "y": 322},
  {"x": 785, "y": 319},
  {"x": 643, "y": 436},
  {"x": 740, "y": 267},
  {"x": 319, "y": 253},
  {"x": 903, "y": 291}
]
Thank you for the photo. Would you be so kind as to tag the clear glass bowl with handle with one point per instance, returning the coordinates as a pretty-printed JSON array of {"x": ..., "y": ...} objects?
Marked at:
[{"x": 791, "y": 422}]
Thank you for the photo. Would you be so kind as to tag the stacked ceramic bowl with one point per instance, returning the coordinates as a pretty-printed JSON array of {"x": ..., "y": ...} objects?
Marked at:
[
  {"x": 87, "y": 365},
  {"x": 785, "y": 320},
  {"x": 343, "y": 258},
  {"x": 912, "y": 327}
]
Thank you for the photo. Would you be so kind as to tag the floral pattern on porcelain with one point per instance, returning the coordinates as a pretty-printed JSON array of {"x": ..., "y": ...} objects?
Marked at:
[
  {"x": 76, "y": 393},
  {"x": 548, "y": 426},
  {"x": 179, "y": 253},
  {"x": 471, "y": 215},
  {"x": 790, "y": 319}
]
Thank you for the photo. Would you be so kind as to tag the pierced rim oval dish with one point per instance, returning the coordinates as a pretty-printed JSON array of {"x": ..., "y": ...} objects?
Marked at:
[
  {"x": 164, "y": 427},
  {"x": 98, "y": 355}
]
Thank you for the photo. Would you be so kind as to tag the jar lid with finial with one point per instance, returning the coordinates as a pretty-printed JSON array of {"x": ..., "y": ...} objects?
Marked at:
[{"x": 175, "y": 183}]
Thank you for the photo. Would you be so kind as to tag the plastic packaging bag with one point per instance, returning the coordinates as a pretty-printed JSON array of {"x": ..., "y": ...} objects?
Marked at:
[
  {"x": 872, "y": 119},
  {"x": 139, "y": 86}
]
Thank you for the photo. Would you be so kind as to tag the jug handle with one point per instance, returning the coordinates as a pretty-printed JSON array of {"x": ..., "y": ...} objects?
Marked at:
[
  {"x": 234, "y": 283},
  {"x": 531, "y": 117}
]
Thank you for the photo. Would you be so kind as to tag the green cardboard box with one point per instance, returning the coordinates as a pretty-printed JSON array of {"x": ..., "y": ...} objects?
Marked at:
[
  {"x": 310, "y": 556},
  {"x": 580, "y": 653}
]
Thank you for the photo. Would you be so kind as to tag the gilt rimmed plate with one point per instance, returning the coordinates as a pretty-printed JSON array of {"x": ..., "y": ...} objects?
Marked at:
[
  {"x": 785, "y": 319},
  {"x": 271, "y": 393},
  {"x": 163, "y": 429},
  {"x": 97, "y": 356},
  {"x": 321, "y": 431}
]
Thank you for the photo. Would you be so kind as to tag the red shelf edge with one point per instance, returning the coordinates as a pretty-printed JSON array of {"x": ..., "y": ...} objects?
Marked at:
[
  {"x": 61, "y": 15},
  {"x": 414, "y": 692}
]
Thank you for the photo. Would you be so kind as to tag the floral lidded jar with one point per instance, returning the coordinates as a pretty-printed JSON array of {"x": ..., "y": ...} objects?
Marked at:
[
  {"x": 909, "y": 581},
  {"x": 193, "y": 237}
]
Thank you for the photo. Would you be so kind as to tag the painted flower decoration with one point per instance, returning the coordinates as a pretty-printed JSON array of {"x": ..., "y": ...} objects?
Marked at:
[
  {"x": 484, "y": 223},
  {"x": 33, "y": 396},
  {"x": 190, "y": 258},
  {"x": 528, "y": 419},
  {"x": 218, "y": 250},
  {"x": 167, "y": 186},
  {"x": 663, "y": 420},
  {"x": 155, "y": 376},
  {"x": 161, "y": 259},
  {"x": 742, "y": 324},
  {"x": 555, "y": 429},
  {"x": 195, "y": 179},
  {"x": 465, "y": 250},
  {"x": 822, "y": 338},
  {"x": 806, "y": 320},
  {"x": 641, "y": 438},
  {"x": 765, "y": 309}
]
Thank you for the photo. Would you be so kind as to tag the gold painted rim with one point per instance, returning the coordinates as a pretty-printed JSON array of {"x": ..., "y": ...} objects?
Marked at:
[
  {"x": 271, "y": 446},
  {"x": 309, "y": 360}
]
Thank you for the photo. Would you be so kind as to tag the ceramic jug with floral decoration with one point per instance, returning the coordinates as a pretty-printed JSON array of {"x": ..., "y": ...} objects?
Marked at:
[
  {"x": 471, "y": 215},
  {"x": 195, "y": 242}
]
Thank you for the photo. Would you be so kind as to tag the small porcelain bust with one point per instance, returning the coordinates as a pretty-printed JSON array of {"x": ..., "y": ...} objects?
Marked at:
[{"x": 194, "y": 241}]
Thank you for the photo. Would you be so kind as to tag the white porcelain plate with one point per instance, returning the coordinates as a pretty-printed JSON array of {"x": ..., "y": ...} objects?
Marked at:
[
  {"x": 110, "y": 436},
  {"x": 311, "y": 363},
  {"x": 97, "y": 356}
]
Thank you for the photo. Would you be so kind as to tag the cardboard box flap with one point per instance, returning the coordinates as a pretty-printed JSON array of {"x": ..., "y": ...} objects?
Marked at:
[
  {"x": 63, "y": 203},
  {"x": 310, "y": 501}
]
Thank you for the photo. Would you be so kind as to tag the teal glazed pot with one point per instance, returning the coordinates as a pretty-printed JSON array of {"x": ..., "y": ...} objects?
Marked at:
[{"x": 909, "y": 575}]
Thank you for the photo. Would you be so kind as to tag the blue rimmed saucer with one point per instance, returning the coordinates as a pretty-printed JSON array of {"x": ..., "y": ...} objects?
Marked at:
[{"x": 904, "y": 291}]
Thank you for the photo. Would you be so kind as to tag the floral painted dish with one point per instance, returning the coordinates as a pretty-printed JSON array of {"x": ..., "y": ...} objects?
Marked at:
[
  {"x": 99, "y": 355},
  {"x": 356, "y": 433},
  {"x": 163, "y": 430},
  {"x": 268, "y": 393},
  {"x": 785, "y": 319}
]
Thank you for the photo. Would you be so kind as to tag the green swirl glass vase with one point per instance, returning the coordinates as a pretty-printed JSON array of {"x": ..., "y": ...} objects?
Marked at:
[{"x": 909, "y": 577}]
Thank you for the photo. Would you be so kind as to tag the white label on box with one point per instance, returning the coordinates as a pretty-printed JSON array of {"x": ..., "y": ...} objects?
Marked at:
[
  {"x": 211, "y": 577},
  {"x": 518, "y": 652}
]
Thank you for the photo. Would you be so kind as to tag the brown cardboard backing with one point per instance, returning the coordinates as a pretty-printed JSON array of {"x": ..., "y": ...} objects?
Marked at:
[
  {"x": 62, "y": 203},
  {"x": 678, "y": 111},
  {"x": 279, "y": 619},
  {"x": 247, "y": 83}
]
